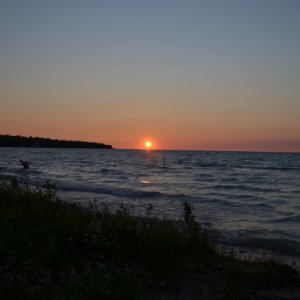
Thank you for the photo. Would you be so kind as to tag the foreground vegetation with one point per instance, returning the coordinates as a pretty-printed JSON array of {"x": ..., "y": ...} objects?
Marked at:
[{"x": 50, "y": 249}]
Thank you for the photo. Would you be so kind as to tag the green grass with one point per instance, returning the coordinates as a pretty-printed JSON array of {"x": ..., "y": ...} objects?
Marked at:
[{"x": 50, "y": 249}]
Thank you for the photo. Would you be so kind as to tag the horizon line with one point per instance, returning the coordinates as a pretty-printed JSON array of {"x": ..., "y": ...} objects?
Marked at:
[
  {"x": 142, "y": 149},
  {"x": 211, "y": 150}
]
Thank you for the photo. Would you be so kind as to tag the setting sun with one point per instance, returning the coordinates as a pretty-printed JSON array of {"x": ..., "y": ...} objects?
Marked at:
[{"x": 148, "y": 144}]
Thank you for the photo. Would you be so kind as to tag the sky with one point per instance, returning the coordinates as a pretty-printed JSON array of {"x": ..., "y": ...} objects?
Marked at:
[{"x": 205, "y": 75}]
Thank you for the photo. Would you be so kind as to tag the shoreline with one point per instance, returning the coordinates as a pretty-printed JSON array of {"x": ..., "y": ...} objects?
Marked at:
[
  {"x": 119, "y": 256},
  {"x": 281, "y": 249}
]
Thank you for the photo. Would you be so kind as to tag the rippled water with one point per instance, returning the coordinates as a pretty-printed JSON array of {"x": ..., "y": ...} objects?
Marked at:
[{"x": 251, "y": 198}]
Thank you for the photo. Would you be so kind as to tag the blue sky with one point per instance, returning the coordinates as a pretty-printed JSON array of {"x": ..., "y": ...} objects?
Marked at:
[{"x": 221, "y": 74}]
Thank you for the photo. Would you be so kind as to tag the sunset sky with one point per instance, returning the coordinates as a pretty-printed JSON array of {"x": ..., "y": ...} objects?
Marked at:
[{"x": 207, "y": 75}]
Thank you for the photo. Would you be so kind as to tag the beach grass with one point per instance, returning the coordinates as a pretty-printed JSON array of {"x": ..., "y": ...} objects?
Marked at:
[{"x": 50, "y": 249}]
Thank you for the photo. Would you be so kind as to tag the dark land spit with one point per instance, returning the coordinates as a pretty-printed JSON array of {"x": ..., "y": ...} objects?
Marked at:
[{"x": 37, "y": 142}]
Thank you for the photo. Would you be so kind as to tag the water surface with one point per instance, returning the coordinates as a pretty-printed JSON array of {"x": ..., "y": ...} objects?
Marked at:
[{"x": 250, "y": 198}]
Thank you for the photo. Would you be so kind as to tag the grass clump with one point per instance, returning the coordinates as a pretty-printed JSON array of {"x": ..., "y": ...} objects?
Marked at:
[{"x": 50, "y": 249}]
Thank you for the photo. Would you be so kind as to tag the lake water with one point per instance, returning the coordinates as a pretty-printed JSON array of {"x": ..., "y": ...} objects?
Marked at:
[{"x": 251, "y": 199}]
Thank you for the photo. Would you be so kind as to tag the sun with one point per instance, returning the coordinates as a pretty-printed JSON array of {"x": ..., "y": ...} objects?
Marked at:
[{"x": 148, "y": 144}]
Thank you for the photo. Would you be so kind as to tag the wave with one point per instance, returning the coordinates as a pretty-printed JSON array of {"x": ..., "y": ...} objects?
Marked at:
[
  {"x": 281, "y": 246},
  {"x": 112, "y": 171},
  {"x": 276, "y": 168},
  {"x": 250, "y": 197},
  {"x": 119, "y": 192},
  {"x": 34, "y": 172},
  {"x": 19, "y": 171},
  {"x": 240, "y": 166},
  {"x": 244, "y": 187},
  {"x": 291, "y": 219},
  {"x": 260, "y": 205},
  {"x": 211, "y": 165},
  {"x": 4, "y": 177}
]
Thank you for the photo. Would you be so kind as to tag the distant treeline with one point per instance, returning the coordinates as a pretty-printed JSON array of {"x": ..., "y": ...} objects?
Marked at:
[{"x": 22, "y": 141}]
